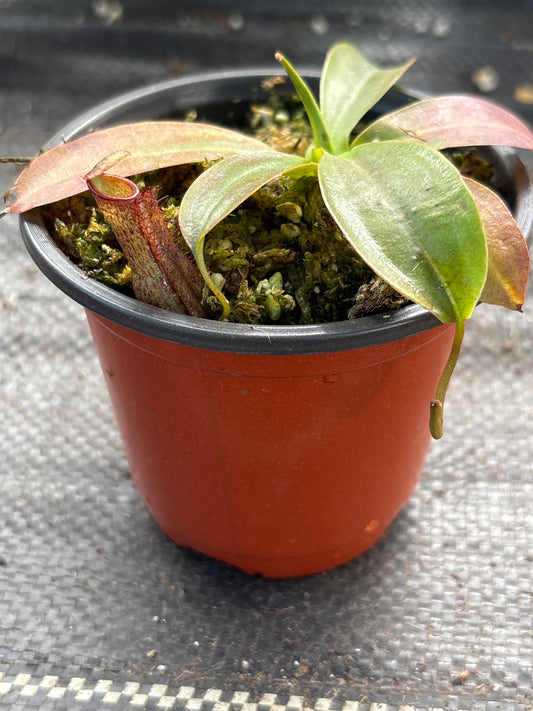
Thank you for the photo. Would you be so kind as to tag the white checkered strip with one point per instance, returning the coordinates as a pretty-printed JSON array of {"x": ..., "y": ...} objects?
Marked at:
[{"x": 78, "y": 692}]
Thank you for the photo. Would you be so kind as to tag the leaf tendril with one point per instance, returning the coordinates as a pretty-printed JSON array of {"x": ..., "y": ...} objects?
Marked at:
[{"x": 436, "y": 423}]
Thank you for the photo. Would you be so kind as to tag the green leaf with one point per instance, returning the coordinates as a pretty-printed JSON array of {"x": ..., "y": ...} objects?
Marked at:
[
  {"x": 308, "y": 100},
  {"x": 449, "y": 122},
  {"x": 135, "y": 148},
  {"x": 508, "y": 255},
  {"x": 350, "y": 85},
  {"x": 407, "y": 212},
  {"x": 222, "y": 188}
]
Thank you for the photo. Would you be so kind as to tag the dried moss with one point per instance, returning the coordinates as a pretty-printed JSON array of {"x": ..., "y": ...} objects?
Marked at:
[{"x": 87, "y": 239}]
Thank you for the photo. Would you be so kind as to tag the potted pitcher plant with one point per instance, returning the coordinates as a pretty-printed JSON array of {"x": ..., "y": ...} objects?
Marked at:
[{"x": 279, "y": 289}]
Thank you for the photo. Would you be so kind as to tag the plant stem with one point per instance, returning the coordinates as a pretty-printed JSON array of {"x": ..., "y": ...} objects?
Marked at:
[{"x": 436, "y": 424}]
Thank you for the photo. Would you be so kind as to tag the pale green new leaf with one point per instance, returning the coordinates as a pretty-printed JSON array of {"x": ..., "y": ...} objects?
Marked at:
[
  {"x": 310, "y": 105},
  {"x": 407, "y": 212},
  {"x": 222, "y": 188},
  {"x": 350, "y": 85}
]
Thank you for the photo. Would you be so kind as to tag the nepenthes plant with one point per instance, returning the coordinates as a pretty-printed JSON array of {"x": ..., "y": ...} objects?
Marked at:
[{"x": 438, "y": 238}]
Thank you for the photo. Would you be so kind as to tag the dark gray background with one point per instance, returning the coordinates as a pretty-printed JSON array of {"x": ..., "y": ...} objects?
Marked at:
[{"x": 438, "y": 614}]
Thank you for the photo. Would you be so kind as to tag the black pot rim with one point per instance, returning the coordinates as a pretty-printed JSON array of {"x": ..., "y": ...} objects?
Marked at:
[{"x": 215, "y": 335}]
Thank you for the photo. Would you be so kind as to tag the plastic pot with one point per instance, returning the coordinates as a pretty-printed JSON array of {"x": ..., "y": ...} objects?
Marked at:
[{"x": 281, "y": 450}]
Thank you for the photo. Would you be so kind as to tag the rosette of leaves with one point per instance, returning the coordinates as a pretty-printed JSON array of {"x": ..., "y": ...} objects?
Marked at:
[{"x": 441, "y": 240}]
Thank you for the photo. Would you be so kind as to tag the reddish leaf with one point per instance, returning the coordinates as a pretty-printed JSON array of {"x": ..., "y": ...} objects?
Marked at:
[
  {"x": 162, "y": 274},
  {"x": 450, "y": 122},
  {"x": 508, "y": 267},
  {"x": 131, "y": 148}
]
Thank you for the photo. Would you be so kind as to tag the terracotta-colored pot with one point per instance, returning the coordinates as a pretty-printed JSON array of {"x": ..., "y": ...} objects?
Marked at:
[
  {"x": 281, "y": 450},
  {"x": 280, "y": 464}
]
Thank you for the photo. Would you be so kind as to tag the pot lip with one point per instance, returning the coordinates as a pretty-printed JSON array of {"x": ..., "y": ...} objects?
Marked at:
[{"x": 155, "y": 322}]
